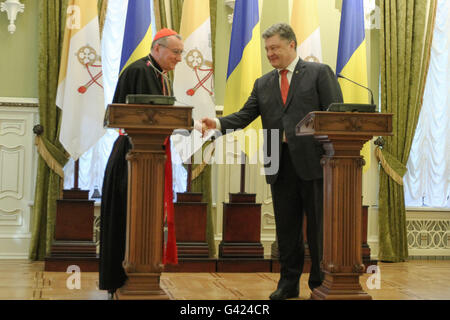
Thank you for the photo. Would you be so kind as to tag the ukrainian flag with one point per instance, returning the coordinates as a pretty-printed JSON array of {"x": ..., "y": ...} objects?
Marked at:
[
  {"x": 137, "y": 38},
  {"x": 244, "y": 66},
  {"x": 351, "y": 59}
]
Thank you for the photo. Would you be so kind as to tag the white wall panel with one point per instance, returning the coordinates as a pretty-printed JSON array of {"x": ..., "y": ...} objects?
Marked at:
[{"x": 18, "y": 158}]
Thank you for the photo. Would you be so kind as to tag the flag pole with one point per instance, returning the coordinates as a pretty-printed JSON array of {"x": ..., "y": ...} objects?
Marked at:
[
  {"x": 189, "y": 177},
  {"x": 76, "y": 173},
  {"x": 243, "y": 157}
]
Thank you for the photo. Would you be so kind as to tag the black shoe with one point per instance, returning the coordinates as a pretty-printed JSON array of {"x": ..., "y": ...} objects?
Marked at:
[
  {"x": 111, "y": 294},
  {"x": 283, "y": 294}
]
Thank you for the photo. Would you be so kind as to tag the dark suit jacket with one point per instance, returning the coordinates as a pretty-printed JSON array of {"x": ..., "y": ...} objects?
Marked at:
[{"x": 312, "y": 88}]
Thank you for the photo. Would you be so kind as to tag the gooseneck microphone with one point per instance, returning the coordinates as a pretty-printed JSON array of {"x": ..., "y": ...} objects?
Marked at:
[{"x": 371, "y": 93}]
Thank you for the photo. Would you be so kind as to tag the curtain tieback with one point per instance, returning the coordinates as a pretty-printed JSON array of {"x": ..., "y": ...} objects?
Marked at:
[
  {"x": 398, "y": 178},
  {"x": 48, "y": 158},
  {"x": 53, "y": 157}
]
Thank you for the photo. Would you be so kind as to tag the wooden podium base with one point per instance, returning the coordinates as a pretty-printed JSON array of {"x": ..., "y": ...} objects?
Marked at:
[
  {"x": 142, "y": 286},
  {"x": 241, "y": 228},
  {"x": 74, "y": 230},
  {"x": 241, "y": 250},
  {"x": 189, "y": 250},
  {"x": 340, "y": 287},
  {"x": 190, "y": 226}
]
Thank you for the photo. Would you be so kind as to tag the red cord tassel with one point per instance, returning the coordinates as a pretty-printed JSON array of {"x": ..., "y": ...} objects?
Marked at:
[{"x": 170, "y": 252}]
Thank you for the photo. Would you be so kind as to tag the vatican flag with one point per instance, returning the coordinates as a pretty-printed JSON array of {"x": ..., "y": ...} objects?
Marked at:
[
  {"x": 80, "y": 89},
  {"x": 305, "y": 23},
  {"x": 193, "y": 83},
  {"x": 194, "y": 76}
]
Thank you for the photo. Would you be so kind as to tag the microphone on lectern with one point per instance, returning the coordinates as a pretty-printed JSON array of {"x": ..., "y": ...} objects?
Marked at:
[{"x": 371, "y": 93}]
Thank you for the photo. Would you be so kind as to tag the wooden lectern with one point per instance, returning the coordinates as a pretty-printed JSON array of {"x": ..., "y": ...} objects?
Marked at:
[
  {"x": 147, "y": 126},
  {"x": 343, "y": 135}
]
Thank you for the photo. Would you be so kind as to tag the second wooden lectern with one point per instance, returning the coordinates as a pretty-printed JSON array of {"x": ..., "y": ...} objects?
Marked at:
[
  {"x": 343, "y": 135},
  {"x": 147, "y": 126}
]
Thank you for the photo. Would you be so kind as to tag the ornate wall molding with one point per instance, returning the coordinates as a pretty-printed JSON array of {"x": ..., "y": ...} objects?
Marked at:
[
  {"x": 18, "y": 161},
  {"x": 13, "y": 126},
  {"x": 11, "y": 217},
  {"x": 19, "y": 102},
  {"x": 11, "y": 172},
  {"x": 428, "y": 234}
]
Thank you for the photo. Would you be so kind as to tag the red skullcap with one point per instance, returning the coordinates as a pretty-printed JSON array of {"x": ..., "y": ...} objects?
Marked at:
[{"x": 164, "y": 33}]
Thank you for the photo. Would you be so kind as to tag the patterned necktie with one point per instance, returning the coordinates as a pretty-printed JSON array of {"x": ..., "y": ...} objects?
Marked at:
[{"x": 284, "y": 85}]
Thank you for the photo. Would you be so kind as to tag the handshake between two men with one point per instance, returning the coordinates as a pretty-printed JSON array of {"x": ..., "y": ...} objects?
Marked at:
[{"x": 205, "y": 125}]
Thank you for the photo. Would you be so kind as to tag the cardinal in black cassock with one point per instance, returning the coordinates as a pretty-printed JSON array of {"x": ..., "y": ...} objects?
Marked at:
[{"x": 144, "y": 76}]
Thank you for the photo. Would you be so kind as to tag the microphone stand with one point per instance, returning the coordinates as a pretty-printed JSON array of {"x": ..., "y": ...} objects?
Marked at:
[{"x": 371, "y": 93}]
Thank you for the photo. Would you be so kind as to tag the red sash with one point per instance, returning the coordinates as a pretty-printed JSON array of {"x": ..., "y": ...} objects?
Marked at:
[{"x": 170, "y": 250}]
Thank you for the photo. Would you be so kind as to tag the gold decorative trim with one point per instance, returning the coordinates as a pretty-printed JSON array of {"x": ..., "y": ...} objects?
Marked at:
[
  {"x": 387, "y": 168},
  {"x": 18, "y": 104},
  {"x": 197, "y": 171},
  {"x": 49, "y": 160}
]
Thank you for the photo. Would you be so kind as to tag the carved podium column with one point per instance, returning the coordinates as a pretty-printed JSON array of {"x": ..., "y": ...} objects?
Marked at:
[
  {"x": 343, "y": 135},
  {"x": 147, "y": 126}
]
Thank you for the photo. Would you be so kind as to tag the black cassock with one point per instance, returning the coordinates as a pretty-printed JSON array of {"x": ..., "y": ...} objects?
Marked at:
[{"x": 139, "y": 78}]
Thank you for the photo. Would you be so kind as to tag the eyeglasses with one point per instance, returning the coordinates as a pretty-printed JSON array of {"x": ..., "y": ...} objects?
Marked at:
[{"x": 177, "y": 52}]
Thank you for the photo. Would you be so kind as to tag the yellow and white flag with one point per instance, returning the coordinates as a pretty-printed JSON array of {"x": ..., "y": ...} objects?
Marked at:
[
  {"x": 305, "y": 23},
  {"x": 194, "y": 75},
  {"x": 80, "y": 89}
]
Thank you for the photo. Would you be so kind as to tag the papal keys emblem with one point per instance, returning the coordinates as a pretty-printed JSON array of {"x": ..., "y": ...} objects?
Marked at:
[
  {"x": 88, "y": 57},
  {"x": 195, "y": 61}
]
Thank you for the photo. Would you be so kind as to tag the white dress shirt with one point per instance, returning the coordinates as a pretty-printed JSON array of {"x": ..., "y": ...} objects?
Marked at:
[{"x": 290, "y": 68}]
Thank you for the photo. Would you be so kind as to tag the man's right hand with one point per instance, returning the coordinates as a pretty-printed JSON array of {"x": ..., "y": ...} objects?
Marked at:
[{"x": 208, "y": 124}]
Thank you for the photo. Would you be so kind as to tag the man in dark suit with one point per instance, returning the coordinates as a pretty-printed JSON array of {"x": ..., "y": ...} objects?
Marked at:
[{"x": 282, "y": 98}]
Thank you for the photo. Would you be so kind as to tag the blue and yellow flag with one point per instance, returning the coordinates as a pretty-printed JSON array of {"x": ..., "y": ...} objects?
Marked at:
[
  {"x": 244, "y": 65},
  {"x": 138, "y": 36},
  {"x": 351, "y": 59}
]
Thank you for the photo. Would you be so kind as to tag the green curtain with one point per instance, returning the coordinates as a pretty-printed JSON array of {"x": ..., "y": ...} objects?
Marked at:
[
  {"x": 176, "y": 7},
  {"x": 160, "y": 14},
  {"x": 406, "y": 32},
  {"x": 52, "y": 15},
  {"x": 175, "y": 12}
]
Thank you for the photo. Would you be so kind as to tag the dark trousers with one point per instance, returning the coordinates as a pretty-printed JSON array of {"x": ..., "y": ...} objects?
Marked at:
[{"x": 293, "y": 197}]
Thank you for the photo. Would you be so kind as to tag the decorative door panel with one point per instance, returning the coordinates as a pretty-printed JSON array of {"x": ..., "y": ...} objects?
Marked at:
[{"x": 18, "y": 161}]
